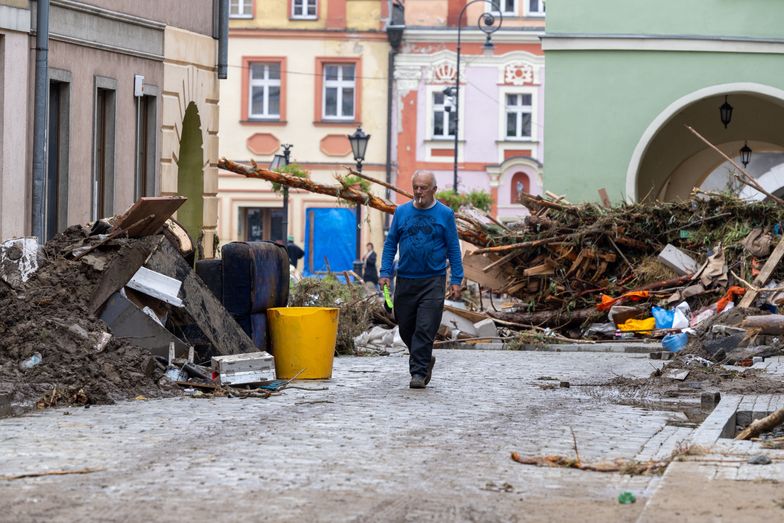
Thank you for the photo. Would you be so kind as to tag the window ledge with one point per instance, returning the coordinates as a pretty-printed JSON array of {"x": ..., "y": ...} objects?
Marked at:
[
  {"x": 517, "y": 141},
  {"x": 443, "y": 141},
  {"x": 305, "y": 18},
  {"x": 241, "y": 17},
  {"x": 261, "y": 121},
  {"x": 337, "y": 123}
]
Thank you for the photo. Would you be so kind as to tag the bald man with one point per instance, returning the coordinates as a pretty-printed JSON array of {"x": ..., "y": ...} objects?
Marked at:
[{"x": 425, "y": 232}]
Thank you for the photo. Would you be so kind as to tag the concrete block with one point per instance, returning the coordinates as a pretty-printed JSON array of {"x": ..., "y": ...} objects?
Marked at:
[
  {"x": 455, "y": 321},
  {"x": 678, "y": 260},
  {"x": 486, "y": 328}
]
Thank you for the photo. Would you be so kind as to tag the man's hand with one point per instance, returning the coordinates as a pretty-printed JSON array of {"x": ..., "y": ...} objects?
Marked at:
[
  {"x": 382, "y": 282},
  {"x": 454, "y": 292}
]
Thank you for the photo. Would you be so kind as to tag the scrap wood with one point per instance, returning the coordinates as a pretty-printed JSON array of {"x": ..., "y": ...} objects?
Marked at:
[
  {"x": 161, "y": 208},
  {"x": 50, "y": 473},
  {"x": 764, "y": 275},
  {"x": 114, "y": 234},
  {"x": 619, "y": 465},
  {"x": 759, "y": 426}
]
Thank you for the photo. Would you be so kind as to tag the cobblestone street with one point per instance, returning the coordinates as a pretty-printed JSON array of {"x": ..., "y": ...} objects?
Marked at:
[{"x": 367, "y": 449}]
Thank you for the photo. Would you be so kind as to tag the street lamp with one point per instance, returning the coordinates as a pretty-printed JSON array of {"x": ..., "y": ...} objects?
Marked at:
[
  {"x": 280, "y": 161},
  {"x": 489, "y": 22},
  {"x": 359, "y": 142},
  {"x": 745, "y": 154}
]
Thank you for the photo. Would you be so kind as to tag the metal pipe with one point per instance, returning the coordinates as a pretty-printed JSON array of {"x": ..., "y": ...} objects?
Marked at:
[
  {"x": 359, "y": 220},
  {"x": 223, "y": 39},
  {"x": 284, "y": 223},
  {"x": 40, "y": 116},
  {"x": 390, "y": 94}
]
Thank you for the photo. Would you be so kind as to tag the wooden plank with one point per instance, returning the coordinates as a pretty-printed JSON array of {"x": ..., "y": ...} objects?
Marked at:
[
  {"x": 160, "y": 207},
  {"x": 473, "y": 268},
  {"x": 605, "y": 197},
  {"x": 122, "y": 269},
  {"x": 762, "y": 278},
  {"x": 545, "y": 269}
]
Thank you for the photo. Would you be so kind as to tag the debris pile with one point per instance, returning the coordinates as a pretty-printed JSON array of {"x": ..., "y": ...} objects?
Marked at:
[{"x": 87, "y": 317}]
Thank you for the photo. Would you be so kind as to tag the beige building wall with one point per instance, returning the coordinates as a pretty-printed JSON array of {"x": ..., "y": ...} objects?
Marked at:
[
  {"x": 14, "y": 56},
  {"x": 310, "y": 138},
  {"x": 190, "y": 77}
]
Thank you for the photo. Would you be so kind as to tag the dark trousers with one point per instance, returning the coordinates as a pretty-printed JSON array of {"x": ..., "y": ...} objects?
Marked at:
[{"x": 419, "y": 303}]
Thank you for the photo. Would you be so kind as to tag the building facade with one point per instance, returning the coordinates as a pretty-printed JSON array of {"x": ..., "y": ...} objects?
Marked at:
[
  {"x": 132, "y": 110},
  {"x": 501, "y": 99},
  {"x": 625, "y": 77},
  {"x": 305, "y": 73}
]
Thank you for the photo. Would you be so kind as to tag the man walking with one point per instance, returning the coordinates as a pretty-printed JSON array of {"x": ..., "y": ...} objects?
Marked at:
[{"x": 425, "y": 232}]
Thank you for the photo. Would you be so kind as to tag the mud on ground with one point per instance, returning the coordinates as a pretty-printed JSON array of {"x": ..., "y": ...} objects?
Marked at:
[{"x": 49, "y": 315}]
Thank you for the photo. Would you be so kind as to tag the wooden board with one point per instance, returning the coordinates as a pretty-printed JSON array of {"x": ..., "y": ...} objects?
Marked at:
[
  {"x": 160, "y": 207},
  {"x": 494, "y": 279},
  {"x": 122, "y": 269},
  {"x": 762, "y": 279}
]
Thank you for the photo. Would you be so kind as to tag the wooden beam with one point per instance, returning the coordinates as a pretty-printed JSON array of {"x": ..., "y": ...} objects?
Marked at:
[{"x": 762, "y": 278}]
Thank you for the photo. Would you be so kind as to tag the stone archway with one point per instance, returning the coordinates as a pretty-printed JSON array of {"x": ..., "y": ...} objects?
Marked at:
[
  {"x": 190, "y": 173},
  {"x": 668, "y": 160}
]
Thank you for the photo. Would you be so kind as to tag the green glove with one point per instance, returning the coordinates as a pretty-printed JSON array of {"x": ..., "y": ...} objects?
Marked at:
[{"x": 387, "y": 299}]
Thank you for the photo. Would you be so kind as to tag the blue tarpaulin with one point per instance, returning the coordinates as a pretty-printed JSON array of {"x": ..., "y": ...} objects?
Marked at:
[{"x": 329, "y": 233}]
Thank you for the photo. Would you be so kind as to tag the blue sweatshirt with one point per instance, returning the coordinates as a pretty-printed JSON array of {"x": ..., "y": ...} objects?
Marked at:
[{"x": 426, "y": 238}]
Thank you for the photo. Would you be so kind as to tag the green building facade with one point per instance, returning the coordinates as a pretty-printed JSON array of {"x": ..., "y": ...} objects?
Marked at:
[{"x": 625, "y": 77}]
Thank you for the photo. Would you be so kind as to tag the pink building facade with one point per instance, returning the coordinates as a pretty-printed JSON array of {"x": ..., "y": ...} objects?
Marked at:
[{"x": 501, "y": 102}]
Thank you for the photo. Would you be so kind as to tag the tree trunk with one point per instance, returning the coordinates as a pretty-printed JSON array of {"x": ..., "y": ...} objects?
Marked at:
[{"x": 762, "y": 425}]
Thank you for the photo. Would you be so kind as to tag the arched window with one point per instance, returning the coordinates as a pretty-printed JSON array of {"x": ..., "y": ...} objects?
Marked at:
[{"x": 520, "y": 184}]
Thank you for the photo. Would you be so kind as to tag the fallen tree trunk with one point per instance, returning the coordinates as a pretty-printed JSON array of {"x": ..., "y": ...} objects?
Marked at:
[
  {"x": 473, "y": 236},
  {"x": 767, "y": 324},
  {"x": 553, "y": 318},
  {"x": 762, "y": 425}
]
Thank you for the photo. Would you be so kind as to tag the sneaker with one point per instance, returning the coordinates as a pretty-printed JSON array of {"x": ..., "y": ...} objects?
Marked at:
[
  {"x": 430, "y": 370},
  {"x": 418, "y": 382}
]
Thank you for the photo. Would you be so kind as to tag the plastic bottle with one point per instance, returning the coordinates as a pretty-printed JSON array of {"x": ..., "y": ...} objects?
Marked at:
[
  {"x": 626, "y": 498},
  {"x": 675, "y": 342},
  {"x": 32, "y": 361}
]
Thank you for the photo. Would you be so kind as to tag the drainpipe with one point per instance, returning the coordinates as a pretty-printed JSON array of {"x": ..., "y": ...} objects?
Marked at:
[
  {"x": 39, "y": 118},
  {"x": 395, "y": 27},
  {"x": 390, "y": 94},
  {"x": 223, "y": 39}
]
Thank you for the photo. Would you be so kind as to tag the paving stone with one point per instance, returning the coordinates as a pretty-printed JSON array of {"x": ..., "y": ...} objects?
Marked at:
[{"x": 295, "y": 457}]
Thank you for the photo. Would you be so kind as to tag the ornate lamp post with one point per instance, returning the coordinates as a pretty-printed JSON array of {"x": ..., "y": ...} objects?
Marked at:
[
  {"x": 359, "y": 142},
  {"x": 279, "y": 161},
  {"x": 489, "y": 22}
]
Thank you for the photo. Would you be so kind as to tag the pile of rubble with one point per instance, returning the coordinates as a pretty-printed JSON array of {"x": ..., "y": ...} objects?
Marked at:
[{"x": 93, "y": 315}]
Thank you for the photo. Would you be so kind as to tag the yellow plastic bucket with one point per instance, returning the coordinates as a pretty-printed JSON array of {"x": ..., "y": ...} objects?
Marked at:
[{"x": 303, "y": 338}]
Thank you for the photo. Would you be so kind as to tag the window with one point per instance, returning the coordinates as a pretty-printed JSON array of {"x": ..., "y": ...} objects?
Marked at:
[
  {"x": 264, "y": 99},
  {"x": 103, "y": 147},
  {"x": 518, "y": 115},
  {"x": 304, "y": 9},
  {"x": 260, "y": 224},
  {"x": 535, "y": 7},
  {"x": 146, "y": 132},
  {"x": 444, "y": 119},
  {"x": 508, "y": 7},
  {"x": 241, "y": 9},
  {"x": 339, "y": 92}
]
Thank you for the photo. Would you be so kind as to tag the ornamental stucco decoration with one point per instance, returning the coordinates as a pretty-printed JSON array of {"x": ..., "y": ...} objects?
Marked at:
[
  {"x": 407, "y": 78},
  {"x": 519, "y": 74},
  {"x": 443, "y": 72}
]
